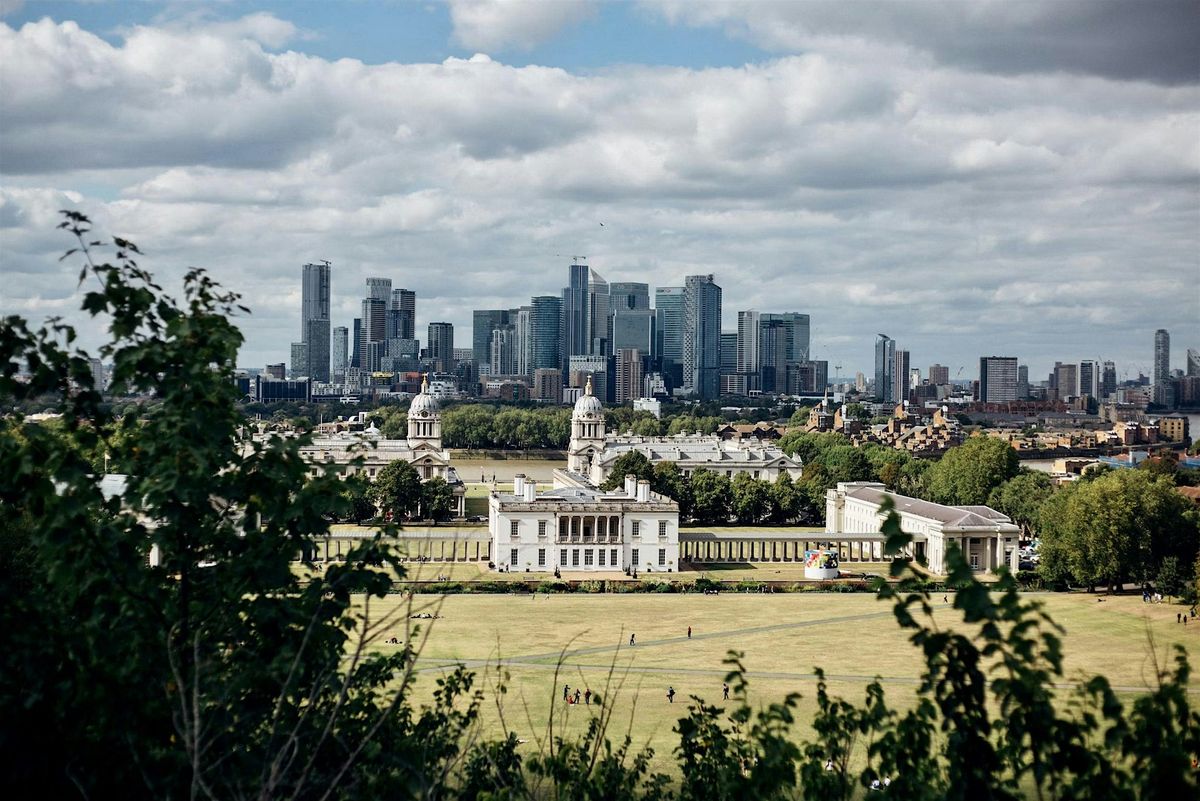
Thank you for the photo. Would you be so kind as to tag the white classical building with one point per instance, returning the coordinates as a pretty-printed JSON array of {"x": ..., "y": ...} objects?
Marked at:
[
  {"x": 986, "y": 537},
  {"x": 422, "y": 448},
  {"x": 577, "y": 527},
  {"x": 592, "y": 452}
]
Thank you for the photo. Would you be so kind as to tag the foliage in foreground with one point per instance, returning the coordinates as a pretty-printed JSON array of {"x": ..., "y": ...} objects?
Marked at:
[{"x": 212, "y": 673}]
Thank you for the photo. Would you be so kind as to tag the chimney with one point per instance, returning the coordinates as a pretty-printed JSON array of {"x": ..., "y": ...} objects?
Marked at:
[
  {"x": 630, "y": 484},
  {"x": 643, "y": 491},
  {"x": 530, "y": 491},
  {"x": 519, "y": 485}
]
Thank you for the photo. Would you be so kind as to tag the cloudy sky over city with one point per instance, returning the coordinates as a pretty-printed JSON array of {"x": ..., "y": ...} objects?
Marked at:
[{"x": 1009, "y": 178}]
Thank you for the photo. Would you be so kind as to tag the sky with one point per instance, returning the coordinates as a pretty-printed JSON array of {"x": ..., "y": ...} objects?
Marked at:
[{"x": 990, "y": 178}]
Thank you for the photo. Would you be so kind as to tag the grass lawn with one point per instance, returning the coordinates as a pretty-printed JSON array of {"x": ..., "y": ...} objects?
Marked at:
[{"x": 853, "y": 637}]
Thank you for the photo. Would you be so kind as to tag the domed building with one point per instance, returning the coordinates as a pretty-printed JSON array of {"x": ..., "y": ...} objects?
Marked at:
[
  {"x": 422, "y": 448},
  {"x": 587, "y": 432}
]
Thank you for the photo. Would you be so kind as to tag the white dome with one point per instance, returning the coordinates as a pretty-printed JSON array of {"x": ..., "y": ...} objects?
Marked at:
[
  {"x": 588, "y": 404},
  {"x": 423, "y": 403}
]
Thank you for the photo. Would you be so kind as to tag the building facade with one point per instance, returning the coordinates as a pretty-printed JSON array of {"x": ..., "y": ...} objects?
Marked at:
[
  {"x": 341, "y": 354},
  {"x": 702, "y": 337},
  {"x": 987, "y": 538},
  {"x": 885, "y": 358},
  {"x": 545, "y": 332},
  {"x": 314, "y": 319},
  {"x": 578, "y": 528},
  {"x": 997, "y": 379},
  {"x": 439, "y": 346},
  {"x": 1162, "y": 356}
]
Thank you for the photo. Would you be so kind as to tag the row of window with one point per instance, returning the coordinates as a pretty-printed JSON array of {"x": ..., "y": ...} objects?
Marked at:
[{"x": 514, "y": 528}]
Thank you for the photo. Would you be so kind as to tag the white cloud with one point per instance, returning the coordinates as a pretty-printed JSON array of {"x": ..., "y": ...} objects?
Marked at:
[
  {"x": 875, "y": 188},
  {"x": 496, "y": 25}
]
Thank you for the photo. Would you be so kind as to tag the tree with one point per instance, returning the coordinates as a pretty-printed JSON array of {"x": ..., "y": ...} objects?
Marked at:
[
  {"x": 397, "y": 490},
  {"x": 437, "y": 499},
  {"x": 1120, "y": 526},
  {"x": 631, "y": 462},
  {"x": 1021, "y": 497},
  {"x": 167, "y": 648},
  {"x": 356, "y": 492},
  {"x": 468, "y": 426},
  {"x": 667, "y": 479},
  {"x": 712, "y": 497},
  {"x": 751, "y": 499},
  {"x": 785, "y": 499},
  {"x": 967, "y": 474}
]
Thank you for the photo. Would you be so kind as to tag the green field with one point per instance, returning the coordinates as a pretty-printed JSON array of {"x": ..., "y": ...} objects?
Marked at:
[{"x": 540, "y": 642}]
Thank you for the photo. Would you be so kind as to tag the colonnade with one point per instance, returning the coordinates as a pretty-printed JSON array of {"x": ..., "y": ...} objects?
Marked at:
[
  {"x": 433, "y": 550},
  {"x": 715, "y": 549},
  {"x": 589, "y": 528}
]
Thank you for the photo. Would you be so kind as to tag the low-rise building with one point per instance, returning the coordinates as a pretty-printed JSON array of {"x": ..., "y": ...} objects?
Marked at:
[
  {"x": 577, "y": 527},
  {"x": 986, "y": 537}
]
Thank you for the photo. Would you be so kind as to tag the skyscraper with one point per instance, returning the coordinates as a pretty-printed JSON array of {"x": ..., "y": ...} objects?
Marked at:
[
  {"x": 900, "y": 376},
  {"x": 314, "y": 319},
  {"x": 374, "y": 331},
  {"x": 748, "y": 365},
  {"x": 1162, "y": 356},
  {"x": 1087, "y": 378},
  {"x": 521, "y": 321},
  {"x": 503, "y": 350},
  {"x": 885, "y": 356},
  {"x": 629, "y": 375},
  {"x": 356, "y": 343},
  {"x": 598, "y": 316},
  {"x": 545, "y": 332},
  {"x": 939, "y": 374},
  {"x": 702, "y": 336},
  {"x": 402, "y": 314},
  {"x": 1066, "y": 380},
  {"x": 1022, "y": 382},
  {"x": 796, "y": 329},
  {"x": 669, "y": 314},
  {"x": 625, "y": 295},
  {"x": 341, "y": 352},
  {"x": 1108, "y": 379},
  {"x": 483, "y": 322},
  {"x": 774, "y": 348},
  {"x": 576, "y": 325},
  {"x": 440, "y": 346},
  {"x": 380, "y": 289},
  {"x": 1193, "y": 362},
  {"x": 998, "y": 379},
  {"x": 634, "y": 328}
]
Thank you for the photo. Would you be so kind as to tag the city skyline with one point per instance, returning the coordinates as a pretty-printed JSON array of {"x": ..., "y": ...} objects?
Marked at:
[{"x": 809, "y": 160}]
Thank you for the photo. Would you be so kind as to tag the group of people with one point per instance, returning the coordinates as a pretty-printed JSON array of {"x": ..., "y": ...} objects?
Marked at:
[
  {"x": 577, "y": 696},
  {"x": 1182, "y": 617}
]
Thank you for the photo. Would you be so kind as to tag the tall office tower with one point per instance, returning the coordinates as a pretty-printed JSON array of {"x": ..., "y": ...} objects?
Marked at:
[
  {"x": 914, "y": 377},
  {"x": 402, "y": 314},
  {"x": 885, "y": 357},
  {"x": 278, "y": 371},
  {"x": 1022, "y": 382},
  {"x": 668, "y": 311},
  {"x": 1193, "y": 362},
  {"x": 374, "y": 332},
  {"x": 702, "y": 336},
  {"x": 997, "y": 379},
  {"x": 629, "y": 375},
  {"x": 900, "y": 377},
  {"x": 503, "y": 350},
  {"x": 939, "y": 374},
  {"x": 483, "y": 322},
  {"x": 299, "y": 360},
  {"x": 624, "y": 295},
  {"x": 773, "y": 354},
  {"x": 1108, "y": 379},
  {"x": 380, "y": 289},
  {"x": 598, "y": 314},
  {"x": 860, "y": 382},
  {"x": 1162, "y": 356},
  {"x": 545, "y": 332},
  {"x": 582, "y": 368},
  {"x": 747, "y": 364},
  {"x": 547, "y": 384},
  {"x": 1066, "y": 380},
  {"x": 521, "y": 320},
  {"x": 1087, "y": 378},
  {"x": 806, "y": 378},
  {"x": 797, "y": 329},
  {"x": 634, "y": 328},
  {"x": 440, "y": 346},
  {"x": 576, "y": 327},
  {"x": 314, "y": 319},
  {"x": 356, "y": 343},
  {"x": 341, "y": 353}
]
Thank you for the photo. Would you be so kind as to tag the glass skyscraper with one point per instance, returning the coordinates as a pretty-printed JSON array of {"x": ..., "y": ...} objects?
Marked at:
[{"x": 545, "y": 332}]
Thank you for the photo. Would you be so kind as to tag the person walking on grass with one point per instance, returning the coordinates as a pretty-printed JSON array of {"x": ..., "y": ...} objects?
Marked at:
[
  {"x": 632, "y": 640},
  {"x": 578, "y": 695},
  {"x": 725, "y": 690},
  {"x": 671, "y": 694},
  {"x": 587, "y": 697},
  {"x": 566, "y": 689},
  {"x": 689, "y": 632}
]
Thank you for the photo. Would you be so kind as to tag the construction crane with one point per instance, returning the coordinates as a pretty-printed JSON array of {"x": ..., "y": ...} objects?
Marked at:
[{"x": 575, "y": 259}]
